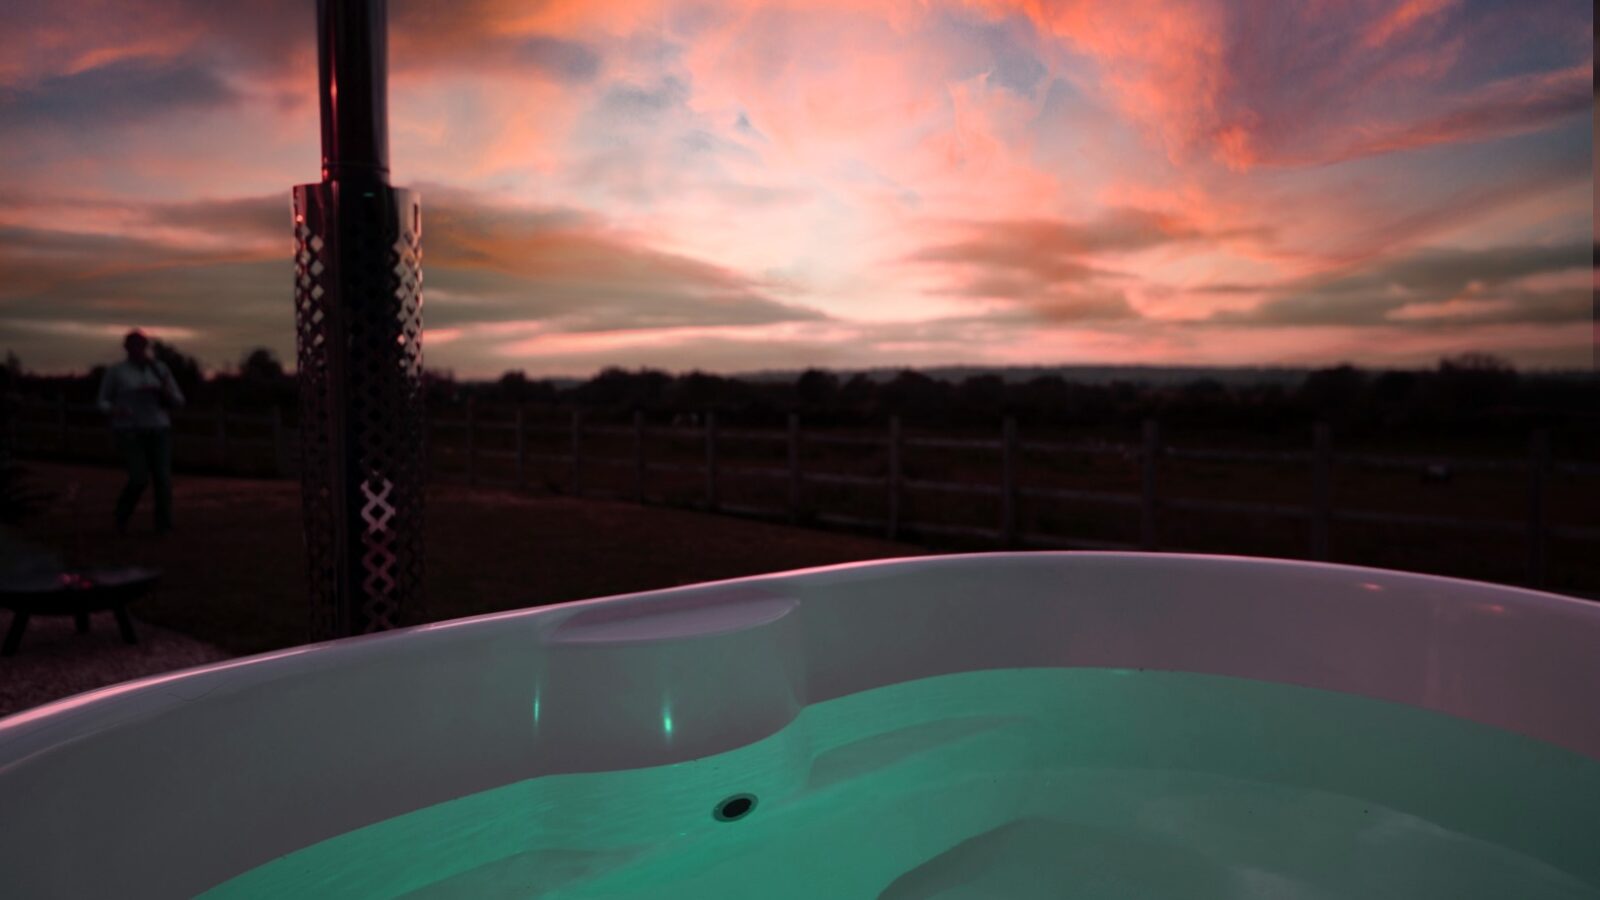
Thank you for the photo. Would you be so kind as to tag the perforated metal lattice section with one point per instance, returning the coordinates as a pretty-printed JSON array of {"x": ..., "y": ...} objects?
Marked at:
[
  {"x": 317, "y": 466},
  {"x": 385, "y": 402},
  {"x": 358, "y": 318}
]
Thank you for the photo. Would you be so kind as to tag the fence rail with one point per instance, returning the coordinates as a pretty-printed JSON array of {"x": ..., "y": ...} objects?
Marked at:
[{"x": 270, "y": 446}]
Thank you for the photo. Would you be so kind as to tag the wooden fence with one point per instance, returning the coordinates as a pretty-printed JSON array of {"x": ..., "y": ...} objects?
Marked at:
[
  {"x": 214, "y": 439},
  {"x": 263, "y": 445}
]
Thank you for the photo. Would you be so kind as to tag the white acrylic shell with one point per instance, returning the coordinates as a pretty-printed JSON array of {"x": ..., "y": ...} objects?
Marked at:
[{"x": 169, "y": 785}]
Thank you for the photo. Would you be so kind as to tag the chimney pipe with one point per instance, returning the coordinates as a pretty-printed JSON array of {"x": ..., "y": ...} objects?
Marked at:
[
  {"x": 353, "y": 81},
  {"x": 358, "y": 330}
]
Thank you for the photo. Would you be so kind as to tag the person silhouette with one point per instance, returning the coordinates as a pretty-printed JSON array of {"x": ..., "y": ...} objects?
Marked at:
[{"x": 136, "y": 393}]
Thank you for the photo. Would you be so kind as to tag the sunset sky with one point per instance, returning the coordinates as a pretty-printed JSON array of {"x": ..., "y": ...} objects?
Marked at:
[{"x": 746, "y": 185}]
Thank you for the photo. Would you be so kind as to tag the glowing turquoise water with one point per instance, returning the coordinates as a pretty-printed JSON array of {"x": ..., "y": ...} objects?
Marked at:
[{"x": 1076, "y": 783}]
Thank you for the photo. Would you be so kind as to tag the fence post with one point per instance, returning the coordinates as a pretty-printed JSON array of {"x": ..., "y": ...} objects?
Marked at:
[
  {"x": 711, "y": 460},
  {"x": 1538, "y": 507},
  {"x": 1008, "y": 482},
  {"x": 577, "y": 452},
  {"x": 522, "y": 447},
  {"x": 280, "y": 463},
  {"x": 61, "y": 424},
  {"x": 1152, "y": 446},
  {"x": 794, "y": 467},
  {"x": 638, "y": 455},
  {"x": 14, "y": 412},
  {"x": 1321, "y": 490},
  {"x": 472, "y": 443},
  {"x": 222, "y": 433},
  {"x": 894, "y": 477}
]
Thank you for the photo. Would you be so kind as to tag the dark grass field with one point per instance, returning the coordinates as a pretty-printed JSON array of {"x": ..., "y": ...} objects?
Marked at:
[
  {"x": 753, "y": 465},
  {"x": 235, "y": 581},
  {"x": 235, "y": 567},
  {"x": 1501, "y": 495}
]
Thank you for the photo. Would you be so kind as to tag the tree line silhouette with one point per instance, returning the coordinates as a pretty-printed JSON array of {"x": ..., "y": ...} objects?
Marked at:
[{"x": 1466, "y": 395}]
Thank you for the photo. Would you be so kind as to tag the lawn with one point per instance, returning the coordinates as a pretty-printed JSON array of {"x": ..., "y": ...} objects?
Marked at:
[
  {"x": 235, "y": 567},
  {"x": 235, "y": 579}
]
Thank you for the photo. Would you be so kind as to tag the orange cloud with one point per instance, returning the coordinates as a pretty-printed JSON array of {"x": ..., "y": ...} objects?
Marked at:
[{"x": 1162, "y": 62}]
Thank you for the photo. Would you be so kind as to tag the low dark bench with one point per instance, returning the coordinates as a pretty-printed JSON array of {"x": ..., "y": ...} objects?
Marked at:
[{"x": 75, "y": 594}]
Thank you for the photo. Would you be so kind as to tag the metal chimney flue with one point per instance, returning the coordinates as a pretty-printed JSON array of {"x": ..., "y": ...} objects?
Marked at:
[
  {"x": 353, "y": 86},
  {"x": 358, "y": 328}
]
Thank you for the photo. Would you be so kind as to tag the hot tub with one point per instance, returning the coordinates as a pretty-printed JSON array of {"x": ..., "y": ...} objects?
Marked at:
[{"x": 986, "y": 726}]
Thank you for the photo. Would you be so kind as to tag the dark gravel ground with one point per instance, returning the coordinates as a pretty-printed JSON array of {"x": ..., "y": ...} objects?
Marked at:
[{"x": 55, "y": 661}]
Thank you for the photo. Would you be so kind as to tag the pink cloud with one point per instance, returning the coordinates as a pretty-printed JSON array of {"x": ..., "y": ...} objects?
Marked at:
[
  {"x": 917, "y": 180},
  {"x": 1405, "y": 16},
  {"x": 1510, "y": 106},
  {"x": 1224, "y": 80}
]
